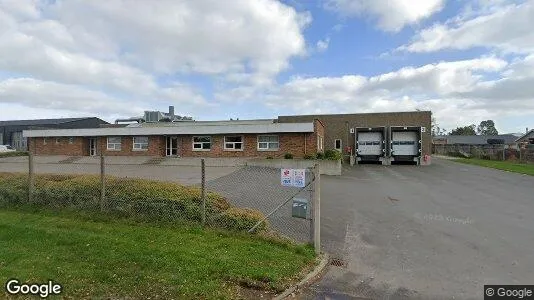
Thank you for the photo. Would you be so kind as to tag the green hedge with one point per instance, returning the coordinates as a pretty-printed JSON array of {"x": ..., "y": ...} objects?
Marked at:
[
  {"x": 142, "y": 199},
  {"x": 13, "y": 153}
]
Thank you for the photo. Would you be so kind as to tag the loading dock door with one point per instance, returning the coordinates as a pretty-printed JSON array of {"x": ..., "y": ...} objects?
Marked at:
[
  {"x": 404, "y": 143},
  {"x": 370, "y": 143}
]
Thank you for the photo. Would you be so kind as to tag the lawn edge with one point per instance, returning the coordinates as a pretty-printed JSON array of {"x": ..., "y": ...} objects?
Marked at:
[
  {"x": 463, "y": 161},
  {"x": 312, "y": 276}
]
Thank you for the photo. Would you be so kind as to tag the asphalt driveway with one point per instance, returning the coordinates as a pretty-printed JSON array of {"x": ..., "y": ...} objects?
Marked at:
[{"x": 434, "y": 232}]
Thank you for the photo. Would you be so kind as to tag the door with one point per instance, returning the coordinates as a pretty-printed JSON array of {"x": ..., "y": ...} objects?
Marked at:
[
  {"x": 172, "y": 146},
  {"x": 92, "y": 146},
  {"x": 369, "y": 143},
  {"x": 404, "y": 143}
]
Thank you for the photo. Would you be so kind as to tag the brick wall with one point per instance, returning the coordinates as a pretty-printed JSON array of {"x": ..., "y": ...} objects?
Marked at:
[
  {"x": 298, "y": 144},
  {"x": 338, "y": 126},
  {"x": 63, "y": 147}
]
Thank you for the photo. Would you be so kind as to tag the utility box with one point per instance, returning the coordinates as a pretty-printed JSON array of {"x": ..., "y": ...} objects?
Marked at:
[{"x": 300, "y": 208}]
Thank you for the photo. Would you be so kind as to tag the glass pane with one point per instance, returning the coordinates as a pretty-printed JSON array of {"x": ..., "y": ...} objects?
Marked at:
[
  {"x": 197, "y": 146},
  {"x": 273, "y": 145},
  {"x": 238, "y": 145},
  {"x": 201, "y": 139},
  {"x": 229, "y": 146},
  {"x": 230, "y": 139},
  {"x": 262, "y": 145},
  {"x": 206, "y": 145}
]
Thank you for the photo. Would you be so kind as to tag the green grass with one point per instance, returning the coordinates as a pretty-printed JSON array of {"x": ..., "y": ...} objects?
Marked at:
[
  {"x": 500, "y": 165},
  {"x": 120, "y": 259},
  {"x": 14, "y": 153}
]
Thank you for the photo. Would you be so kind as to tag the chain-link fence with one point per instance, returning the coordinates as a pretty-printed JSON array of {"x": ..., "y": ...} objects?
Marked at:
[
  {"x": 249, "y": 199},
  {"x": 489, "y": 152}
]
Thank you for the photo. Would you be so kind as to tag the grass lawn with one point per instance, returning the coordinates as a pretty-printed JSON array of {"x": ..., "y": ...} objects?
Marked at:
[
  {"x": 501, "y": 165},
  {"x": 121, "y": 259}
]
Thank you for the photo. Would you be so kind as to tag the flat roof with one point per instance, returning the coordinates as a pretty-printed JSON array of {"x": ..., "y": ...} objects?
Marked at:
[{"x": 189, "y": 129}]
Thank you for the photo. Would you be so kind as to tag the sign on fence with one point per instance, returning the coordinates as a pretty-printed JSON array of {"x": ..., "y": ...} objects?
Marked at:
[{"x": 293, "y": 177}]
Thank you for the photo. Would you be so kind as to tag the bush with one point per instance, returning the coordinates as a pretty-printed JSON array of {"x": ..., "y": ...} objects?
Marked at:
[
  {"x": 288, "y": 156},
  {"x": 269, "y": 157},
  {"x": 13, "y": 153},
  {"x": 319, "y": 155},
  {"x": 307, "y": 156},
  {"x": 142, "y": 199},
  {"x": 240, "y": 219},
  {"x": 332, "y": 155}
]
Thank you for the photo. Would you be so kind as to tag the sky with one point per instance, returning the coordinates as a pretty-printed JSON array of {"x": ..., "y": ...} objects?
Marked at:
[{"x": 466, "y": 61}]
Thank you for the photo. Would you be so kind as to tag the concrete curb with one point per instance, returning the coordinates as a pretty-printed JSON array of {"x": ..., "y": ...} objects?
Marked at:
[{"x": 307, "y": 280}]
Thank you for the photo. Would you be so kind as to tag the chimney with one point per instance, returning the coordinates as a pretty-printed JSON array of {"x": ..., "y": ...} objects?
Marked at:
[{"x": 171, "y": 111}]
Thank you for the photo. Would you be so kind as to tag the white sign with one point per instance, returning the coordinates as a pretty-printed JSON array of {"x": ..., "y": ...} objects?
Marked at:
[
  {"x": 286, "y": 177},
  {"x": 299, "y": 178},
  {"x": 293, "y": 177}
]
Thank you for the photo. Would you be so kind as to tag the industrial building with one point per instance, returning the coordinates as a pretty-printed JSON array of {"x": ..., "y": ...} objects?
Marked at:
[
  {"x": 378, "y": 137},
  {"x": 11, "y": 131}
]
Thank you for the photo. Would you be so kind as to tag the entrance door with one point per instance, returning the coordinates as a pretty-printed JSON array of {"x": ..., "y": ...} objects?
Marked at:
[
  {"x": 172, "y": 146},
  {"x": 92, "y": 146}
]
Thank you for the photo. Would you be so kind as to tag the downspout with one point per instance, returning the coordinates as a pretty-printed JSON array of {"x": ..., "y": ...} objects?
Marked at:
[{"x": 305, "y": 138}]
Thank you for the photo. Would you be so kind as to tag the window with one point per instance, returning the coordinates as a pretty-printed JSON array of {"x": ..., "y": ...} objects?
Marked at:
[
  {"x": 114, "y": 143},
  {"x": 44, "y": 141},
  {"x": 140, "y": 143},
  {"x": 268, "y": 142},
  {"x": 71, "y": 140},
  {"x": 58, "y": 140},
  {"x": 233, "y": 143},
  {"x": 319, "y": 143},
  {"x": 337, "y": 144},
  {"x": 201, "y": 143}
]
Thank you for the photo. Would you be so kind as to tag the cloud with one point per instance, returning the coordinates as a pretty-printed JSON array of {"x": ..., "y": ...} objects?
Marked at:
[
  {"x": 391, "y": 15},
  {"x": 457, "y": 92},
  {"x": 507, "y": 28},
  {"x": 322, "y": 45}
]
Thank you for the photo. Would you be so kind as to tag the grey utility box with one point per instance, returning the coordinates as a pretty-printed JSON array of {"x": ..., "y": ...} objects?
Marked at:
[{"x": 300, "y": 208}]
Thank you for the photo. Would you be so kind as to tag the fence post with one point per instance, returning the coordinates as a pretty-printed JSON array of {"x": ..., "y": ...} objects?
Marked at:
[
  {"x": 31, "y": 177},
  {"x": 102, "y": 182},
  {"x": 203, "y": 190},
  {"x": 317, "y": 210}
]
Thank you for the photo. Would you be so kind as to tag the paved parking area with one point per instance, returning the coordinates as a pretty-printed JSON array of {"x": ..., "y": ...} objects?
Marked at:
[
  {"x": 434, "y": 232},
  {"x": 185, "y": 172}
]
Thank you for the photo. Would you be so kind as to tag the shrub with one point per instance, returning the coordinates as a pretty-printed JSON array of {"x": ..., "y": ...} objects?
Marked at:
[
  {"x": 13, "y": 153},
  {"x": 288, "y": 156},
  {"x": 241, "y": 219},
  {"x": 307, "y": 156},
  {"x": 269, "y": 157},
  {"x": 319, "y": 155},
  {"x": 142, "y": 199},
  {"x": 332, "y": 155}
]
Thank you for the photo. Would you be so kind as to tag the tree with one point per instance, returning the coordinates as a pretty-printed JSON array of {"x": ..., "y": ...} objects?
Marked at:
[
  {"x": 436, "y": 130},
  {"x": 487, "y": 128},
  {"x": 466, "y": 130}
]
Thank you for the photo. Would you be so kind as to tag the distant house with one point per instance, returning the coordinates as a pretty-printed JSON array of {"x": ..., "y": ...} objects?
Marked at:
[
  {"x": 11, "y": 131},
  {"x": 526, "y": 139},
  {"x": 476, "y": 140}
]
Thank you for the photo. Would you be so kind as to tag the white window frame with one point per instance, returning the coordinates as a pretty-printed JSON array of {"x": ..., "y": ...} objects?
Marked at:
[
  {"x": 320, "y": 143},
  {"x": 193, "y": 143},
  {"x": 268, "y": 143},
  {"x": 233, "y": 144},
  {"x": 137, "y": 146},
  {"x": 44, "y": 141},
  {"x": 340, "y": 144},
  {"x": 112, "y": 146},
  {"x": 58, "y": 140},
  {"x": 71, "y": 140}
]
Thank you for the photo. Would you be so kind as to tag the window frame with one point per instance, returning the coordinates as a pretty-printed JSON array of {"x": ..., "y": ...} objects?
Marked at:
[
  {"x": 44, "y": 140},
  {"x": 320, "y": 143},
  {"x": 268, "y": 143},
  {"x": 140, "y": 148},
  {"x": 340, "y": 144},
  {"x": 201, "y": 143},
  {"x": 114, "y": 148},
  {"x": 71, "y": 140},
  {"x": 58, "y": 140},
  {"x": 234, "y": 143}
]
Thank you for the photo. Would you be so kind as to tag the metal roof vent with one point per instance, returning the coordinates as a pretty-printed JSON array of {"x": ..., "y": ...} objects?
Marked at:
[{"x": 152, "y": 116}]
